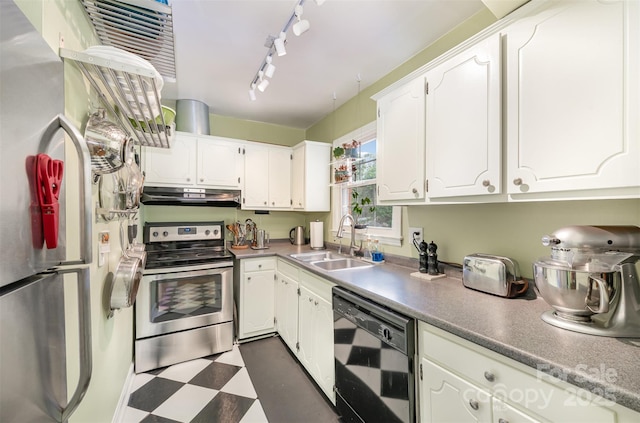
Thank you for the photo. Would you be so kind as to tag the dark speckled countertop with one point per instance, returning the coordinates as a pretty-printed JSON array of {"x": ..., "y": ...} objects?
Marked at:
[{"x": 511, "y": 327}]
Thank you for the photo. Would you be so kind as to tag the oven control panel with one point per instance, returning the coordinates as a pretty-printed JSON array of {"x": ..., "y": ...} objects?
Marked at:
[{"x": 186, "y": 232}]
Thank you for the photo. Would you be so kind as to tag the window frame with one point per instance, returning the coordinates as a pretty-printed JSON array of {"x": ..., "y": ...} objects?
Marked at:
[{"x": 386, "y": 236}]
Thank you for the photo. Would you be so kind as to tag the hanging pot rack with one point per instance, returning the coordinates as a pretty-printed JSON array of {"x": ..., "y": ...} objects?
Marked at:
[{"x": 108, "y": 77}]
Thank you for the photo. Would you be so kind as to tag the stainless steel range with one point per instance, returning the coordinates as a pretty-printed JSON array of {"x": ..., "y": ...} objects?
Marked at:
[{"x": 184, "y": 308}]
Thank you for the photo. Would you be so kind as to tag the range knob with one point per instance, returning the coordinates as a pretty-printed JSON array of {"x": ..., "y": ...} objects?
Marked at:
[
  {"x": 165, "y": 233},
  {"x": 207, "y": 232},
  {"x": 216, "y": 232},
  {"x": 155, "y": 234}
]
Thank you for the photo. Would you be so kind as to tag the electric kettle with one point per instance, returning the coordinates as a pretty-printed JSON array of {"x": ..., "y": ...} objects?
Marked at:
[{"x": 296, "y": 235}]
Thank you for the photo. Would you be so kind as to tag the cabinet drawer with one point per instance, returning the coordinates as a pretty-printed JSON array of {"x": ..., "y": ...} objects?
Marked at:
[
  {"x": 288, "y": 269},
  {"x": 319, "y": 286},
  {"x": 510, "y": 381},
  {"x": 257, "y": 264}
]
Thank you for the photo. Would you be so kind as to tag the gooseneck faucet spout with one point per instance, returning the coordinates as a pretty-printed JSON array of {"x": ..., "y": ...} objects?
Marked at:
[{"x": 352, "y": 244}]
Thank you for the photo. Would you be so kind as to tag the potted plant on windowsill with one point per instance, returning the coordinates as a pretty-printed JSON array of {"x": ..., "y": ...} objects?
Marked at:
[
  {"x": 358, "y": 205},
  {"x": 351, "y": 149}
]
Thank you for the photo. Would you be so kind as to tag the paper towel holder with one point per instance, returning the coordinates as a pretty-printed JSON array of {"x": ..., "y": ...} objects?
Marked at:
[{"x": 316, "y": 235}]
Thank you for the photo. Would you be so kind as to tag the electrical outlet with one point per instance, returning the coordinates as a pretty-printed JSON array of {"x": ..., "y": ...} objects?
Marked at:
[{"x": 417, "y": 232}]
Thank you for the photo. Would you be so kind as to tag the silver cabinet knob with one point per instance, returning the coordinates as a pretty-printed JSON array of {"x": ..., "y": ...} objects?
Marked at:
[
  {"x": 201, "y": 179},
  {"x": 249, "y": 278},
  {"x": 517, "y": 181},
  {"x": 315, "y": 302},
  {"x": 273, "y": 203},
  {"x": 265, "y": 203},
  {"x": 188, "y": 179},
  {"x": 310, "y": 299},
  {"x": 474, "y": 404},
  {"x": 489, "y": 376},
  {"x": 486, "y": 183},
  {"x": 415, "y": 191}
]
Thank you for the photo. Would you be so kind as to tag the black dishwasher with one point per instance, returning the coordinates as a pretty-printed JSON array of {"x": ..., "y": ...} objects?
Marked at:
[{"x": 374, "y": 350}]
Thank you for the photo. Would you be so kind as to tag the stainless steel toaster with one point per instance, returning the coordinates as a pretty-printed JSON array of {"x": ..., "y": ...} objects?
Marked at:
[{"x": 493, "y": 274}]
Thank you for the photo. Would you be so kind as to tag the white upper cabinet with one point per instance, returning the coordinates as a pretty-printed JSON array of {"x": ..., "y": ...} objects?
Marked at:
[
  {"x": 463, "y": 125},
  {"x": 267, "y": 182},
  {"x": 175, "y": 166},
  {"x": 310, "y": 176},
  {"x": 280, "y": 177},
  {"x": 401, "y": 143},
  {"x": 195, "y": 160},
  {"x": 573, "y": 98},
  {"x": 220, "y": 162}
]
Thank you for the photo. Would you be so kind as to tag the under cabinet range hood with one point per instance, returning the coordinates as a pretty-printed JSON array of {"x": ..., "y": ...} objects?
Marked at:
[{"x": 170, "y": 196}]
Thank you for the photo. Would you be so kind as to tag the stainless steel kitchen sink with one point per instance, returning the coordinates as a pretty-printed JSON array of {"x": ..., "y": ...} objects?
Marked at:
[
  {"x": 316, "y": 256},
  {"x": 341, "y": 264}
]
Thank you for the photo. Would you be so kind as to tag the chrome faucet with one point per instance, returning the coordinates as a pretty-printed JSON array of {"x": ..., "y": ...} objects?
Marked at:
[{"x": 352, "y": 244}]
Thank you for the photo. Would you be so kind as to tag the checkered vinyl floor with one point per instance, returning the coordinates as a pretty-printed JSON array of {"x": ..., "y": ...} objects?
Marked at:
[{"x": 213, "y": 389}]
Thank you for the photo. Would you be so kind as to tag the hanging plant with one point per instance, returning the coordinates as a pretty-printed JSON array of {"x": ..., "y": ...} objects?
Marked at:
[{"x": 338, "y": 152}]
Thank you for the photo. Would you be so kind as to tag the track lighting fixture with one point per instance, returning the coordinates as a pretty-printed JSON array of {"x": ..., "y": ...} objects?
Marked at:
[
  {"x": 269, "y": 69},
  {"x": 263, "y": 85},
  {"x": 276, "y": 45},
  {"x": 302, "y": 25}
]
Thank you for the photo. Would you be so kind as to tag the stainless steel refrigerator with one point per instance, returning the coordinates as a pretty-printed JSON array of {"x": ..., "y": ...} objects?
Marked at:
[{"x": 33, "y": 235}]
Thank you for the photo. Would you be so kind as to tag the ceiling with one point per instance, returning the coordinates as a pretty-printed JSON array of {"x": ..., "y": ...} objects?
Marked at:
[{"x": 220, "y": 44}]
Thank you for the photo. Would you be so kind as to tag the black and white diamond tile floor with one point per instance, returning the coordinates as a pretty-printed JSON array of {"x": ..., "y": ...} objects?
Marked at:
[{"x": 213, "y": 389}]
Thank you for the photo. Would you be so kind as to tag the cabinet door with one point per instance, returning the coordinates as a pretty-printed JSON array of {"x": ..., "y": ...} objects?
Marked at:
[
  {"x": 305, "y": 327},
  {"x": 287, "y": 310},
  {"x": 400, "y": 155},
  {"x": 445, "y": 397},
  {"x": 298, "y": 178},
  {"x": 573, "y": 98},
  {"x": 310, "y": 176},
  {"x": 463, "y": 125},
  {"x": 175, "y": 166},
  {"x": 323, "y": 360},
  {"x": 279, "y": 177},
  {"x": 219, "y": 162},
  {"x": 257, "y": 310},
  {"x": 256, "y": 177}
]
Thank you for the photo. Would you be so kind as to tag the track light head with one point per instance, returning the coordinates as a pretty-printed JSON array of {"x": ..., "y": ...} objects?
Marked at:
[
  {"x": 263, "y": 85},
  {"x": 278, "y": 43},
  {"x": 269, "y": 69},
  {"x": 302, "y": 25}
]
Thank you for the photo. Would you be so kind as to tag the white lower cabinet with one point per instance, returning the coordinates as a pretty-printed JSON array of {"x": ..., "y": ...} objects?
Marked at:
[
  {"x": 304, "y": 320},
  {"x": 463, "y": 382},
  {"x": 445, "y": 397},
  {"x": 254, "y": 293},
  {"x": 287, "y": 303},
  {"x": 315, "y": 331}
]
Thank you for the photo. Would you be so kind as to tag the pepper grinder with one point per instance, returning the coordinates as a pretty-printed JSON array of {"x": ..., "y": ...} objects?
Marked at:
[
  {"x": 422, "y": 249},
  {"x": 432, "y": 259}
]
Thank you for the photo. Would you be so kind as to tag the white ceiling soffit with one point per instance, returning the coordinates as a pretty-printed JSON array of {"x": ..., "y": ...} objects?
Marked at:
[{"x": 220, "y": 45}]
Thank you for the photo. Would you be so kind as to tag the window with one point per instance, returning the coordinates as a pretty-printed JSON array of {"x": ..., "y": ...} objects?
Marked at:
[{"x": 355, "y": 186}]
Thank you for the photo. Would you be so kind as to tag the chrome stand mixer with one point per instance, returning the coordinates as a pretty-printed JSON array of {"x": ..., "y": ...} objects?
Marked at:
[{"x": 591, "y": 280}]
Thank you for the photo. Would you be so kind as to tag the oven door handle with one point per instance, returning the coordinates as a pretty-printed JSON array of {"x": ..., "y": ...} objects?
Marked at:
[{"x": 189, "y": 271}]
